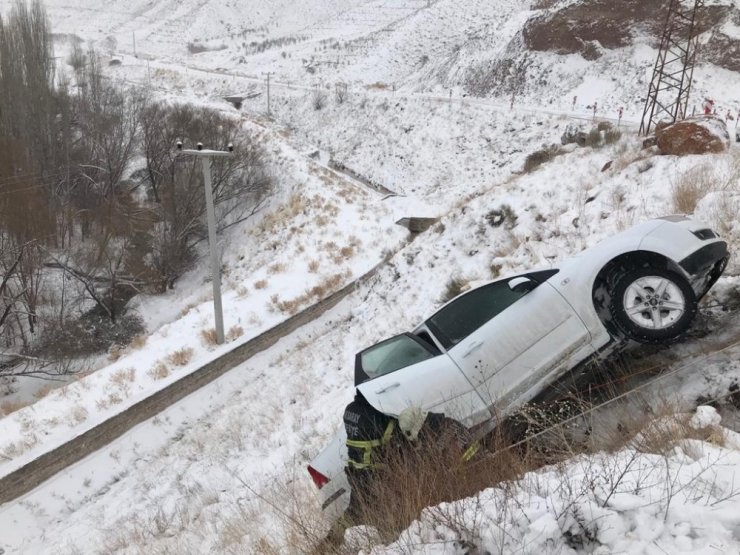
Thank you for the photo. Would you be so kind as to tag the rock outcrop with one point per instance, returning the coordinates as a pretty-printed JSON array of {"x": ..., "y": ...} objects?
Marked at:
[{"x": 697, "y": 135}]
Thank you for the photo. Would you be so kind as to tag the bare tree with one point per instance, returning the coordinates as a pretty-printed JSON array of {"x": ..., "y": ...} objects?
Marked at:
[{"x": 241, "y": 184}]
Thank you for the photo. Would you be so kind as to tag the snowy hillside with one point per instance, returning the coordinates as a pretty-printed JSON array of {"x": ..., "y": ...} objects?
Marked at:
[{"x": 206, "y": 475}]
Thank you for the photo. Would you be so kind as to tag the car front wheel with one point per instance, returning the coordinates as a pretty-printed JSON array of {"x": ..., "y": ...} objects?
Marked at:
[{"x": 650, "y": 305}]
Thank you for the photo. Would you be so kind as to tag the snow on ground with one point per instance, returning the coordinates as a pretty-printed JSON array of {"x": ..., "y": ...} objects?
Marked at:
[
  {"x": 322, "y": 227},
  {"x": 258, "y": 426},
  {"x": 190, "y": 480},
  {"x": 681, "y": 501}
]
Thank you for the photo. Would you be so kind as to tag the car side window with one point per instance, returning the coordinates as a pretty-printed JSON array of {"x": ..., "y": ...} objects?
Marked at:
[
  {"x": 393, "y": 354},
  {"x": 464, "y": 315}
]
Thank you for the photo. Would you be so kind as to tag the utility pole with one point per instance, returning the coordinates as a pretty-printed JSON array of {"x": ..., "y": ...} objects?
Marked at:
[
  {"x": 268, "y": 73},
  {"x": 205, "y": 156},
  {"x": 133, "y": 35}
]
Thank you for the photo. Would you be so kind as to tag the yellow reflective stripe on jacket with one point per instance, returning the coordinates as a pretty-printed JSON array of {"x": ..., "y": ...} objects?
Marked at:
[
  {"x": 470, "y": 451},
  {"x": 368, "y": 445}
]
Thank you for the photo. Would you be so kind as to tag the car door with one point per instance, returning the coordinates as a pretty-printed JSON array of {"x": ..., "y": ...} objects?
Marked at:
[
  {"x": 509, "y": 335},
  {"x": 406, "y": 371}
]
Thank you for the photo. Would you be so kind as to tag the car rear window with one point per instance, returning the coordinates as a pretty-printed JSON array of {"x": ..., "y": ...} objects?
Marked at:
[{"x": 392, "y": 354}]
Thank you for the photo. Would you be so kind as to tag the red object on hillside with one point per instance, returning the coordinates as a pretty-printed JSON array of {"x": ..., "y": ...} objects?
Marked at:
[{"x": 708, "y": 106}]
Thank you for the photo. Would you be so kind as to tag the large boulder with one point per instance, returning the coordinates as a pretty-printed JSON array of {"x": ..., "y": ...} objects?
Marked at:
[{"x": 696, "y": 135}]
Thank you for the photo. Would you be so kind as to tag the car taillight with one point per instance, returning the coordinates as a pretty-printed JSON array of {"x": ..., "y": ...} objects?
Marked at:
[{"x": 318, "y": 478}]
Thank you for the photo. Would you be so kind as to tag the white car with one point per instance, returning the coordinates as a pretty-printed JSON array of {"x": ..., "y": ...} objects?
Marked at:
[{"x": 491, "y": 349}]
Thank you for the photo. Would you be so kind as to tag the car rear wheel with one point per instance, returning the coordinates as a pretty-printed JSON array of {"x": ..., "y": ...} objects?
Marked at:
[{"x": 651, "y": 305}]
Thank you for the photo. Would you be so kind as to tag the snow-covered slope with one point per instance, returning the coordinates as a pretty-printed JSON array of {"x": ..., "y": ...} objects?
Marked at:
[{"x": 195, "y": 479}]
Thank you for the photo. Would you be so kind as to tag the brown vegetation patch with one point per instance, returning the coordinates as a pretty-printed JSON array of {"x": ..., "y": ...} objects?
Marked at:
[
  {"x": 180, "y": 357},
  {"x": 573, "y": 29},
  {"x": 209, "y": 336},
  {"x": 159, "y": 371},
  {"x": 235, "y": 332}
]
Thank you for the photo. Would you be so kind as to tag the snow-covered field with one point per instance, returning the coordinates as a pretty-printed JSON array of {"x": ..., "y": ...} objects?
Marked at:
[{"x": 205, "y": 475}]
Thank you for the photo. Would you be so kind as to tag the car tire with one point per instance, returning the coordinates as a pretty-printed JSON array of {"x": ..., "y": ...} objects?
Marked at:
[{"x": 651, "y": 305}]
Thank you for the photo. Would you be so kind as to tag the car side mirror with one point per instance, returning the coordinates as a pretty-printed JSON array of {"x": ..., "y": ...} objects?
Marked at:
[{"x": 522, "y": 285}]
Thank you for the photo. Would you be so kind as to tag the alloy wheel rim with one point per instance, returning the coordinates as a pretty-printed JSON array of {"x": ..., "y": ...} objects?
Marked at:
[{"x": 654, "y": 302}]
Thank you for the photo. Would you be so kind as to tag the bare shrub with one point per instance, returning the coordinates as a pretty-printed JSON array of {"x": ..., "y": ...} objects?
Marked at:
[
  {"x": 539, "y": 157},
  {"x": 159, "y": 371},
  {"x": 612, "y": 136},
  {"x": 241, "y": 183},
  {"x": 91, "y": 334},
  {"x": 123, "y": 376},
  {"x": 43, "y": 391},
  {"x": 209, "y": 336},
  {"x": 138, "y": 341},
  {"x": 454, "y": 287},
  {"x": 196, "y": 47},
  {"x": 692, "y": 186},
  {"x": 180, "y": 357},
  {"x": 276, "y": 268},
  {"x": 261, "y": 284},
  {"x": 417, "y": 478},
  {"x": 314, "y": 266},
  {"x": 77, "y": 57},
  {"x": 115, "y": 352},
  {"x": 235, "y": 332},
  {"x": 318, "y": 99},
  {"x": 78, "y": 415},
  {"x": 6, "y": 407},
  {"x": 341, "y": 93},
  {"x": 187, "y": 308},
  {"x": 593, "y": 138},
  {"x": 315, "y": 293}
]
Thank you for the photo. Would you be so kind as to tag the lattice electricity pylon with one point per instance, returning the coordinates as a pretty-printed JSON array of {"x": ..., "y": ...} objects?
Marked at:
[{"x": 668, "y": 95}]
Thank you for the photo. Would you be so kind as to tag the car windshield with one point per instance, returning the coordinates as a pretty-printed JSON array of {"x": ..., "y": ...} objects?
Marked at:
[
  {"x": 392, "y": 354},
  {"x": 467, "y": 313}
]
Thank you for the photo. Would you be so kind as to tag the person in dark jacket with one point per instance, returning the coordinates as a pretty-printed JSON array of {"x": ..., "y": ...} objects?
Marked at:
[
  {"x": 373, "y": 436},
  {"x": 369, "y": 432}
]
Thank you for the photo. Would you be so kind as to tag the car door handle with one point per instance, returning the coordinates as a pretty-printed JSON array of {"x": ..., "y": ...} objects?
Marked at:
[
  {"x": 474, "y": 347},
  {"x": 387, "y": 388}
]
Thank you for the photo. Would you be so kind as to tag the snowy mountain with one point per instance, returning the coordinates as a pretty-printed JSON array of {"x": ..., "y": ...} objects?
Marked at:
[{"x": 444, "y": 102}]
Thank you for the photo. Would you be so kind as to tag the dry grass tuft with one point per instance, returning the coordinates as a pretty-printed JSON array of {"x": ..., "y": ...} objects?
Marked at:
[
  {"x": 115, "y": 352},
  {"x": 235, "y": 332},
  {"x": 7, "y": 407},
  {"x": 539, "y": 157},
  {"x": 186, "y": 310},
  {"x": 159, "y": 371},
  {"x": 43, "y": 391},
  {"x": 276, "y": 268},
  {"x": 454, "y": 287},
  {"x": 314, "y": 266},
  {"x": 261, "y": 284},
  {"x": 209, "y": 336},
  {"x": 316, "y": 293},
  {"x": 692, "y": 186},
  {"x": 78, "y": 415},
  {"x": 138, "y": 341},
  {"x": 123, "y": 376},
  {"x": 181, "y": 357}
]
